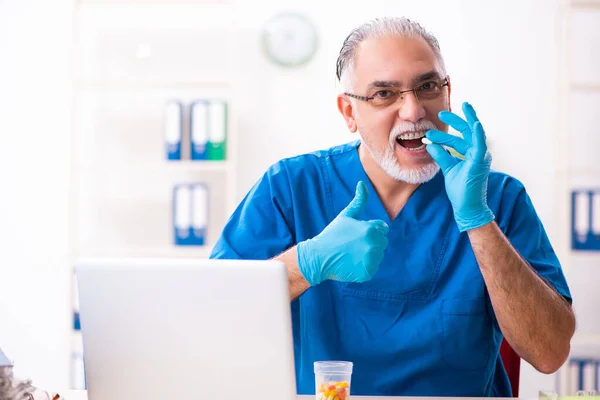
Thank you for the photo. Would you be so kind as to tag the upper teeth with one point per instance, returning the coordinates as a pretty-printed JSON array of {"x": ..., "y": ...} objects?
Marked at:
[{"x": 411, "y": 135}]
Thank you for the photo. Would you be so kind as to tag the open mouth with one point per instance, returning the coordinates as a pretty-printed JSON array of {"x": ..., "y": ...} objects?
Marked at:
[{"x": 411, "y": 140}]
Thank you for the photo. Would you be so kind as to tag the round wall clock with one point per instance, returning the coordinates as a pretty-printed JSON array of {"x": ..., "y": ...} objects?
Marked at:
[{"x": 289, "y": 39}]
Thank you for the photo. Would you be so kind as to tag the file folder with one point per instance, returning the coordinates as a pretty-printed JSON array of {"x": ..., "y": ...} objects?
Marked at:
[
  {"x": 199, "y": 129},
  {"x": 173, "y": 130},
  {"x": 199, "y": 213},
  {"x": 217, "y": 131},
  {"x": 182, "y": 215},
  {"x": 585, "y": 220}
]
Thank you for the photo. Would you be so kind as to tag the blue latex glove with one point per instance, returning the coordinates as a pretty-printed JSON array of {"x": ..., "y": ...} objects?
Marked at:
[
  {"x": 466, "y": 180},
  {"x": 347, "y": 250}
]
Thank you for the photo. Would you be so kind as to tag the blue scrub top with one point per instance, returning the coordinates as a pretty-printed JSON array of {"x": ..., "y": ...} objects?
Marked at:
[{"x": 424, "y": 325}]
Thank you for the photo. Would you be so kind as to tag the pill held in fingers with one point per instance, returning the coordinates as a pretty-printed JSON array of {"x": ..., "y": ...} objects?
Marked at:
[{"x": 426, "y": 141}]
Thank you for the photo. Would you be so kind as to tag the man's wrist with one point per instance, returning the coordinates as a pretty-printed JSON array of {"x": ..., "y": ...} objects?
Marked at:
[
  {"x": 305, "y": 267},
  {"x": 474, "y": 221}
]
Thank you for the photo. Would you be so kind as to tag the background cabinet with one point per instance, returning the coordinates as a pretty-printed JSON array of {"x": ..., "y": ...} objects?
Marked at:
[{"x": 130, "y": 60}]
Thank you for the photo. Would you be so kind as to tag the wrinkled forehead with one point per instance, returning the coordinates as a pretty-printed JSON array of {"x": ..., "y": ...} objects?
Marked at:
[{"x": 394, "y": 58}]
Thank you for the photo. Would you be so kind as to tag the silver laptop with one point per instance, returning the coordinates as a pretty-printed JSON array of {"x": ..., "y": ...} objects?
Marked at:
[{"x": 186, "y": 329}]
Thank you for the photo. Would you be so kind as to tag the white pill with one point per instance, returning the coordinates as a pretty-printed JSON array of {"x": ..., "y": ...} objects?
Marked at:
[{"x": 426, "y": 141}]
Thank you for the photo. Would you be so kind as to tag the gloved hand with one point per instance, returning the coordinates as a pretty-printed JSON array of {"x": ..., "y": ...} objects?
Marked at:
[
  {"x": 347, "y": 250},
  {"x": 466, "y": 180}
]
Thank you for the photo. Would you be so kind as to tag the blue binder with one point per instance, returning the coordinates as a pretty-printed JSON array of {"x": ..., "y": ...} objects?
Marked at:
[
  {"x": 199, "y": 129},
  {"x": 182, "y": 216},
  {"x": 585, "y": 219},
  {"x": 173, "y": 130},
  {"x": 190, "y": 214},
  {"x": 199, "y": 213}
]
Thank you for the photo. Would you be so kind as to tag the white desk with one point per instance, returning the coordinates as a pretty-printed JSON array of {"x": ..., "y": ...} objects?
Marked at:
[{"x": 81, "y": 395}]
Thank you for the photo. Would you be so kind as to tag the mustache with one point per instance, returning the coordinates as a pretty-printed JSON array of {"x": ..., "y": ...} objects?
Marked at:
[{"x": 407, "y": 127}]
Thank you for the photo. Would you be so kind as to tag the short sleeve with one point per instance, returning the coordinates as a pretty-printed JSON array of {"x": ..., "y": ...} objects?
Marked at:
[
  {"x": 526, "y": 233},
  {"x": 261, "y": 227}
]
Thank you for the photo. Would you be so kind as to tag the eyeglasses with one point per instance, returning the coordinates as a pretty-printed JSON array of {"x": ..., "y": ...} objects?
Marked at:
[{"x": 429, "y": 90}]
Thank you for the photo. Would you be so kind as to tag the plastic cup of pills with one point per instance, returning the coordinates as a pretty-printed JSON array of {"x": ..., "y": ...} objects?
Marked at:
[{"x": 332, "y": 380}]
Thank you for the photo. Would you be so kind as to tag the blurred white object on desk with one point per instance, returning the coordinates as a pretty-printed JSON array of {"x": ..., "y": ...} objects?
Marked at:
[{"x": 4, "y": 361}]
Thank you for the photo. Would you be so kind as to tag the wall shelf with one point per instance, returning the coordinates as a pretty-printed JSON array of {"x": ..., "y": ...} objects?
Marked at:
[
  {"x": 160, "y": 167},
  {"x": 578, "y": 87},
  {"x": 154, "y": 2},
  {"x": 149, "y": 251},
  {"x": 585, "y": 4},
  {"x": 99, "y": 85}
]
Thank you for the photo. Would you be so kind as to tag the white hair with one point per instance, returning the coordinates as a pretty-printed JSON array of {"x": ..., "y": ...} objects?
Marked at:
[{"x": 379, "y": 28}]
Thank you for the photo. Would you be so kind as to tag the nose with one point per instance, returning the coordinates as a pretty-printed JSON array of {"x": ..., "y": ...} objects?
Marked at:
[{"x": 411, "y": 108}]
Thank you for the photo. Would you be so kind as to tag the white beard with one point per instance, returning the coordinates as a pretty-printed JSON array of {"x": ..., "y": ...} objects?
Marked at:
[
  {"x": 387, "y": 160},
  {"x": 389, "y": 163}
]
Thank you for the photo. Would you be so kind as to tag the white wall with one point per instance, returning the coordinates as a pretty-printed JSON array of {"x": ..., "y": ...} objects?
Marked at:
[{"x": 34, "y": 157}]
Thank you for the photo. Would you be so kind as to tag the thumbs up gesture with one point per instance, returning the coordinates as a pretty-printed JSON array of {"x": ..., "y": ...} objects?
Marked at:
[{"x": 347, "y": 250}]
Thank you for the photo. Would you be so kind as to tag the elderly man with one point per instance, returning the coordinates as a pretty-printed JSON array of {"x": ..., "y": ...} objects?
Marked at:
[{"x": 403, "y": 259}]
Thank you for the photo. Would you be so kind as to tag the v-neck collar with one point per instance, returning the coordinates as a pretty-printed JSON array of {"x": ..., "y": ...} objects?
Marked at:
[{"x": 375, "y": 208}]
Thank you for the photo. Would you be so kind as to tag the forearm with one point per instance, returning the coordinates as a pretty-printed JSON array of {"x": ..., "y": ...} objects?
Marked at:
[
  {"x": 536, "y": 321},
  {"x": 297, "y": 283}
]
